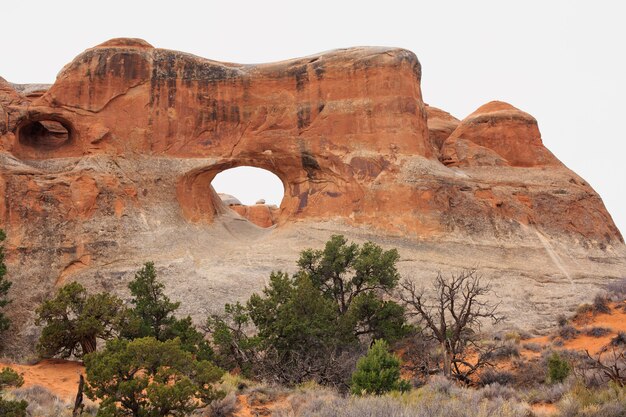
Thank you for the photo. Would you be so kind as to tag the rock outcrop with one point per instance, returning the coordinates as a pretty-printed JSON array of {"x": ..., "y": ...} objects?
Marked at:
[
  {"x": 497, "y": 134},
  {"x": 112, "y": 165}
]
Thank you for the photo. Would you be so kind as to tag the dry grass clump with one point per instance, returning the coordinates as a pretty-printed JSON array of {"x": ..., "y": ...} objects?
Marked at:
[
  {"x": 533, "y": 347},
  {"x": 439, "y": 398},
  {"x": 225, "y": 407},
  {"x": 601, "y": 304},
  {"x": 568, "y": 332},
  {"x": 617, "y": 289},
  {"x": 597, "y": 331},
  {"x": 581, "y": 401},
  {"x": 43, "y": 403},
  {"x": 506, "y": 350},
  {"x": 495, "y": 376},
  {"x": 547, "y": 394}
]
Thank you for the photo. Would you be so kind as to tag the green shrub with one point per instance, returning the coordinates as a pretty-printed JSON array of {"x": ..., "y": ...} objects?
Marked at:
[
  {"x": 378, "y": 372},
  {"x": 11, "y": 408},
  {"x": 314, "y": 324},
  {"x": 152, "y": 315},
  {"x": 74, "y": 321},
  {"x": 146, "y": 377},
  {"x": 558, "y": 368}
]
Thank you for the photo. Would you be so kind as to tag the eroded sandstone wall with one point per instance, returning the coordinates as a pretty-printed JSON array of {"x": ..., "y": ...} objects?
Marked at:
[{"x": 119, "y": 154}]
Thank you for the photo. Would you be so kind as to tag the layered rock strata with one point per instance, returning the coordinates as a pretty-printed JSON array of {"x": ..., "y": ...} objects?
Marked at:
[{"x": 112, "y": 166}]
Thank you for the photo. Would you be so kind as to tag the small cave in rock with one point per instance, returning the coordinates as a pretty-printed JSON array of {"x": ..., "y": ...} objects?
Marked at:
[
  {"x": 45, "y": 134},
  {"x": 253, "y": 193}
]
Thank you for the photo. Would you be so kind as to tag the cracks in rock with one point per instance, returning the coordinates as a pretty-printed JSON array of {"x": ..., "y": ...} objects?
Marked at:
[{"x": 232, "y": 152}]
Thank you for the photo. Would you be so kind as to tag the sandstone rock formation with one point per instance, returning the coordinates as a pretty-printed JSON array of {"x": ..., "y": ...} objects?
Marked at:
[{"x": 112, "y": 166}]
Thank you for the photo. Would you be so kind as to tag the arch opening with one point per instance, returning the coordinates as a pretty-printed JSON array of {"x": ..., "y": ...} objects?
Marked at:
[
  {"x": 254, "y": 193},
  {"x": 45, "y": 134}
]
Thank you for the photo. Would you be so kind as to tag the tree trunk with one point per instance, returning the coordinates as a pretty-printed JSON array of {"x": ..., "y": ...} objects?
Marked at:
[
  {"x": 88, "y": 345},
  {"x": 78, "y": 404},
  {"x": 447, "y": 372}
]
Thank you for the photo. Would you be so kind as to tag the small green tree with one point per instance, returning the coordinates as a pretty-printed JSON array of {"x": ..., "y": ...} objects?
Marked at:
[
  {"x": 191, "y": 340},
  {"x": 153, "y": 312},
  {"x": 292, "y": 314},
  {"x": 153, "y": 315},
  {"x": 355, "y": 278},
  {"x": 5, "y": 285},
  {"x": 558, "y": 368},
  {"x": 314, "y": 324},
  {"x": 148, "y": 378},
  {"x": 233, "y": 335},
  {"x": 74, "y": 321},
  {"x": 8, "y": 408},
  {"x": 378, "y": 372}
]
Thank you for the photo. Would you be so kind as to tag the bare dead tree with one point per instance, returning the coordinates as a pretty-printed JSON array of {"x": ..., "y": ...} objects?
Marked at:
[
  {"x": 453, "y": 315},
  {"x": 610, "y": 362}
]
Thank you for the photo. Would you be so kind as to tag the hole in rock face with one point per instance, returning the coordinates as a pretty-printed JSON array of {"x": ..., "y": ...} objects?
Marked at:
[
  {"x": 253, "y": 193},
  {"x": 45, "y": 134}
]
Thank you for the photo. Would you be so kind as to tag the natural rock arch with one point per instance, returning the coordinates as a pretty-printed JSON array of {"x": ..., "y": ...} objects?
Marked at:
[{"x": 346, "y": 131}]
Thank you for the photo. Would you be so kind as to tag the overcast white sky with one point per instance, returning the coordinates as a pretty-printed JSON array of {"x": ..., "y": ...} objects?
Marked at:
[{"x": 563, "y": 61}]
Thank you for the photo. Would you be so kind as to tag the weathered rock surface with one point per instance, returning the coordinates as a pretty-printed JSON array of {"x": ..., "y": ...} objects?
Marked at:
[
  {"x": 497, "y": 134},
  {"x": 441, "y": 124},
  {"x": 112, "y": 166},
  {"x": 260, "y": 214}
]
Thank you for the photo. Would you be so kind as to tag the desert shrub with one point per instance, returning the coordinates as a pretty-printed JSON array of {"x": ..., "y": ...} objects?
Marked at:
[
  {"x": 528, "y": 373},
  {"x": 74, "y": 321},
  {"x": 568, "y": 332},
  {"x": 494, "y": 376},
  {"x": 496, "y": 390},
  {"x": 43, "y": 403},
  {"x": 377, "y": 372},
  {"x": 597, "y": 331},
  {"x": 309, "y": 400},
  {"x": 441, "y": 385},
  {"x": 581, "y": 401},
  {"x": 617, "y": 289},
  {"x": 582, "y": 311},
  {"x": 223, "y": 407},
  {"x": 533, "y": 347},
  {"x": 512, "y": 336},
  {"x": 619, "y": 340},
  {"x": 504, "y": 350},
  {"x": 147, "y": 377},
  {"x": 13, "y": 408},
  {"x": 425, "y": 402},
  {"x": 601, "y": 304},
  {"x": 561, "y": 320},
  {"x": 8, "y": 407},
  {"x": 233, "y": 383},
  {"x": 557, "y": 368},
  {"x": 546, "y": 393}
]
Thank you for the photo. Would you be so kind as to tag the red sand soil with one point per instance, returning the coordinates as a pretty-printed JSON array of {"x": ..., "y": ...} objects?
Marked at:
[
  {"x": 615, "y": 321},
  {"x": 58, "y": 376}
]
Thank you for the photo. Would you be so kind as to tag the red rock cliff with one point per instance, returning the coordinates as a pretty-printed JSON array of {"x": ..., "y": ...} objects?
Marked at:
[{"x": 121, "y": 150}]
